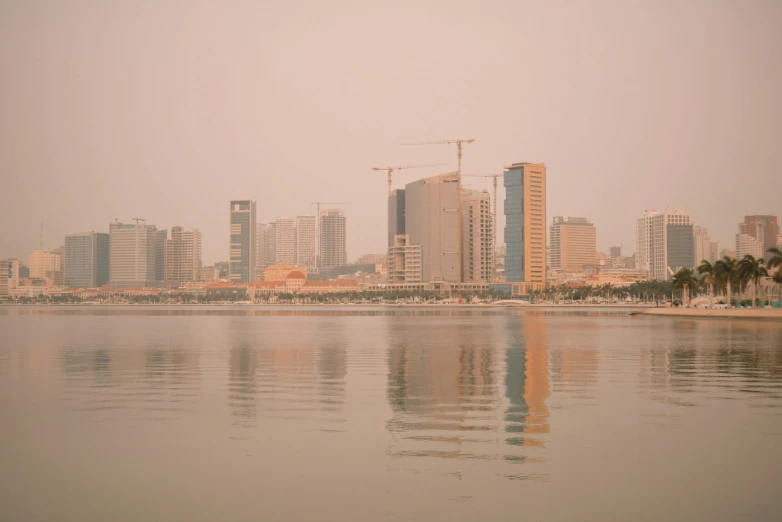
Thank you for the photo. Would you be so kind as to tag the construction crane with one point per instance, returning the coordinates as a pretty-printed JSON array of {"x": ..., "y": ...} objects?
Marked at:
[
  {"x": 318, "y": 204},
  {"x": 459, "y": 145},
  {"x": 389, "y": 170},
  {"x": 138, "y": 219},
  {"x": 493, "y": 214}
]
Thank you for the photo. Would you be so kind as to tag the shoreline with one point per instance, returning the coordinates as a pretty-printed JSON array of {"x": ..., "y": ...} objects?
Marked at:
[{"x": 769, "y": 314}]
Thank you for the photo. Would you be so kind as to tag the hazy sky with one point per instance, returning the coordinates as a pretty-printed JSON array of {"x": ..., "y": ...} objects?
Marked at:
[{"x": 167, "y": 110}]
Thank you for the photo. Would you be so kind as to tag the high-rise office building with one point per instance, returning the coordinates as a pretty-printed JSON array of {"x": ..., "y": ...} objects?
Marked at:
[
  {"x": 42, "y": 261},
  {"x": 260, "y": 250},
  {"x": 664, "y": 240},
  {"x": 285, "y": 240},
  {"x": 9, "y": 275},
  {"x": 714, "y": 252},
  {"x": 241, "y": 267},
  {"x": 306, "y": 241},
  {"x": 477, "y": 237},
  {"x": 270, "y": 244},
  {"x": 183, "y": 255},
  {"x": 525, "y": 227},
  {"x": 763, "y": 228},
  {"x": 4, "y": 277},
  {"x": 701, "y": 244},
  {"x": 431, "y": 221},
  {"x": 333, "y": 245},
  {"x": 404, "y": 261},
  {"x": 135, "y": 256},
  {"x": 396, "y": 215},
  {"x": 573, "y": 244},
  {"x": 748, "y": 245},
  {"x": 616, "y": 251},
  {"x": 86, "y": 259}
]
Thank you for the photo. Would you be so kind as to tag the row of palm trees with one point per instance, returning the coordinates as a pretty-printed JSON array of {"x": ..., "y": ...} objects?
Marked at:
[{"x": 730, "y": 273}]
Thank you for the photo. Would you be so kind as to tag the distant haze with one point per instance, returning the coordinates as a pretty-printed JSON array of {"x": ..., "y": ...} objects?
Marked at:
[{"x": 168, "y": 110}]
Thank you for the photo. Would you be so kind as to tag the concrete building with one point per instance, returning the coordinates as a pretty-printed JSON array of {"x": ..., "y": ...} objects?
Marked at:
[
  {"x": 86, "y": 259},
  {"x": 270, "y": 245},
  {"x": 404, "y": 261},
  {"x": 748, "y": 245},
  {"x": 285, "y": 240},
  {"x": 664, "y": 240},
  {"x": 183, "y": 255},
  {"x": 396, "y": 215},
  {"x": 573, "y": 244},
  {"x": 9, "y": 275},
  {"x": 714, "y": 252},
  {"x": 5, "y": 277},
  {"x": 306, "y": 241},
  {"x": 333, "y": 239},
  {"x": 763, "y": 228},
  {"x": 701, "y": 244},
  {"x": 525, "y": 227},
  {"x": 477, "y": 237},
  {"x": 431, "y": 221},
  {"x": 282, "y": 271},
  {"x": 241, "y": 259},
  {"x": 42, "y": 261},
  {"x": 135, "y": 256},
  {"x": 261, "y": 261},
  {"x": 615, "y": 251}
]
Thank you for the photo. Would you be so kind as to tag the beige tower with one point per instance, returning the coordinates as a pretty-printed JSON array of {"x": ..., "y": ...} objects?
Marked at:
[
  {"x": 525, "y": 227},
  {"x": 573, "y": 243}
]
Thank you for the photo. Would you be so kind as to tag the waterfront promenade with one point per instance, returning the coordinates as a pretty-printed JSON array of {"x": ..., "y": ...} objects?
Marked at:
[{"x": 730, "y": 313}]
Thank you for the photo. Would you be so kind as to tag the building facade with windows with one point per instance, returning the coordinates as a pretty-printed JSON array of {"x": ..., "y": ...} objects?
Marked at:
[
  {"x": 86, "y": 259},
  {"x": 183, "y": 255},
  {"x": 525, "y": 227},
  {"x": 333, "y": 239},
  {"x": 241, "y": 259},
  {"x": 306, "y": 241},
  {"x": 136, "y": 254},
  {"x": 477, "y": 237},
  {"x": 285, "y": 240},
  {"x": 573, "y": 244}
]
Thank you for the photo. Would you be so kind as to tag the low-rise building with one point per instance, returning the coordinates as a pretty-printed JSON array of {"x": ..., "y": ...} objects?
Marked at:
[{"x": 281, "y": 271}]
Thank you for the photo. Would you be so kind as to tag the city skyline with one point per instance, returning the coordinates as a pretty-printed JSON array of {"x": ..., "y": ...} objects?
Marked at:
[{"x": 189, "y": 137}]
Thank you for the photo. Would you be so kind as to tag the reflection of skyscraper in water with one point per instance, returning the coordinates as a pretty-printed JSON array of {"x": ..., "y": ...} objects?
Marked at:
[
  {"x": 243, "y": 362},
  {"x": 526, "y": 384},
  {"x": 440, "y": 389},
  {"x": 573, "y": 367},
  {"x": 331, "y": 365}
]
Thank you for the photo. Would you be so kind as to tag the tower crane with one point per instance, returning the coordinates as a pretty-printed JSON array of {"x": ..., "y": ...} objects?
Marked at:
[
  {"x": 389, "y": 170},
  {"x": 138, "y": 219},
  {"x": 459, "y": 145},
  {"x": 318, "y": 204},
  {"x": 493, "y": 214}
]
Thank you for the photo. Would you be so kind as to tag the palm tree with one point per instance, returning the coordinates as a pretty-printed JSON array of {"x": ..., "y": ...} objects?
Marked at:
[
  {"x": 753, "y": 270},
  {"x": 776, "y": 258},
  {"x": 727, "y": 268},
  {"x": 685, "y": 279},
  {"x": 777, "y": 278},
  {"x": 709, "y": 273}
]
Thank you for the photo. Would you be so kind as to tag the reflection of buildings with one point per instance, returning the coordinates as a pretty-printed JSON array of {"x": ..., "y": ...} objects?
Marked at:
[
  {"x": 243, "y": 363},
  {"x": 526, "y": 384},
  {"x": 442, "y": 389}
]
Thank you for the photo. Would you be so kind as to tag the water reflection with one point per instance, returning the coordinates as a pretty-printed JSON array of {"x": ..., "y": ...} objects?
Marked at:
[{"x": 526, "y": 383}]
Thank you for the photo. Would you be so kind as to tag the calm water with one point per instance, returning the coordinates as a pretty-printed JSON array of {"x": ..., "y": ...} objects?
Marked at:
[{"x": 114, "y": 414}]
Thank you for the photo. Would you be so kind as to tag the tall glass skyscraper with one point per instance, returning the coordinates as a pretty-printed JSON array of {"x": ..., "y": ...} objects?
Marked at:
[
  {"x": 241, "y": 267},
  {"x": 86, "y": 259},
  {"x": 525, "y": 226}
]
